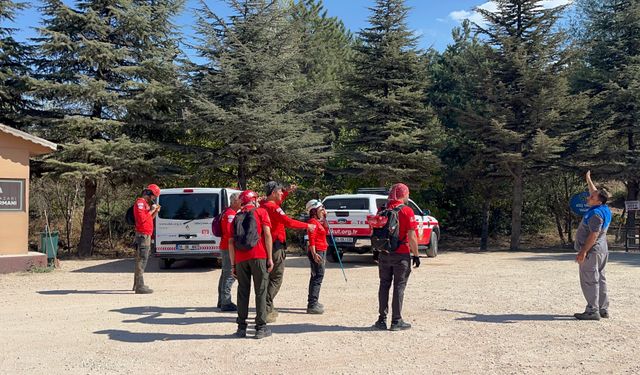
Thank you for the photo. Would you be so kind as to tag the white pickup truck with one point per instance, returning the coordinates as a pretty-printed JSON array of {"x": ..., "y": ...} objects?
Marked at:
[{"x": 347, "y": 216}]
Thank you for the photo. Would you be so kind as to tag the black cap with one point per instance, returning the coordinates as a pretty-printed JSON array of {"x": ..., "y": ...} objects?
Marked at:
[{"x": 271, "y": 186}]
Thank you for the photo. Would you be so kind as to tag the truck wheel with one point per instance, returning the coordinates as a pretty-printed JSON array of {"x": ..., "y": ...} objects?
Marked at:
[
  {"x": 432, "y": 250},
  {"x": 165, "y": 263},
  {"x": 332, "y": 255}
]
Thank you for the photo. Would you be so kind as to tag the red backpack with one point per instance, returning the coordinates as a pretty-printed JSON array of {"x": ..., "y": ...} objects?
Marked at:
[{"x": 216, "y": 225}]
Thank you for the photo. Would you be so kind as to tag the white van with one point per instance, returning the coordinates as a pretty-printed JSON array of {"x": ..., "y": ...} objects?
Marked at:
[
  {"x": 347, "y": 214},
  {"x": 183, "y": 226}
]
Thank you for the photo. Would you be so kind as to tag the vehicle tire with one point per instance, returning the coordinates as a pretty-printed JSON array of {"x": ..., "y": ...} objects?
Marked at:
[
  {"x": 432, "y": 250},
  {"x": 332, "y": 255},
  {"x": 165, "y": 263}
]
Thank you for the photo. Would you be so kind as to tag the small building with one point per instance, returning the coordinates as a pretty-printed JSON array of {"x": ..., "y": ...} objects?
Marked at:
[{"x": 16, "y": 147}]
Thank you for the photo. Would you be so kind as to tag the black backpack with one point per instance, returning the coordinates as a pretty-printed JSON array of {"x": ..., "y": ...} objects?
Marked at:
[
  {"x": 386, "y": 235},
  {"x": 129, "y": 218},
  {"x": 245, "y": 225}
]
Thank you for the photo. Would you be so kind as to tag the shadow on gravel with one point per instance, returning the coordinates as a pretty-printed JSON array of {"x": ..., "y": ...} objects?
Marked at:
[
  {"x": 75, "y": 291},
  {"x": 509, "y": 318},
  {"x": 309, "y": 328},
  {"x": 348, "y": 262},
  {"x": 126, "y": 266},
  {"x": 154, "y": 315},
  {"x": 630, "y": 259},
  {"x": 292, "y": 310},
  {"x": 142, "y": 337}
]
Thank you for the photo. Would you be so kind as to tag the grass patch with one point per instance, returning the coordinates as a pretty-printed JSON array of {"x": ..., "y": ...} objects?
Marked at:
[{"x": 37, "y": 269}]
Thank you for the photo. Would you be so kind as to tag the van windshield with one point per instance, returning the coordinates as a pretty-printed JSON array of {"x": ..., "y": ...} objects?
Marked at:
[
  {"x": 188, "y": 206},
  {"x": 346, "y": 203}
]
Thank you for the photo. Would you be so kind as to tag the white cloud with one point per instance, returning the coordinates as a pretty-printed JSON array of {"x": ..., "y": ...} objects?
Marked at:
[
  {"x": 460, "y": 15},
  {"x": 475, "y": 17},
  {"x": 555, "y": 3}
]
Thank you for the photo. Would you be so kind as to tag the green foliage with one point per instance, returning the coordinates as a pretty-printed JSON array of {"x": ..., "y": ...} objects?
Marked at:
[
  {"x": 390, "y": 133},
  {"x": 493, "y": 134},
  {"x": 251, "y": 116},
  {"x": 99, "y": 69},
  {"x": 13, "y": 69},
  {"x": 524, "y": 93}
]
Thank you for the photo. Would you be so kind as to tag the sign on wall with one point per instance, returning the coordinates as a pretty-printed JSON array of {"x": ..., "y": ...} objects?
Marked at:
[{"x": 12, "y": 195}]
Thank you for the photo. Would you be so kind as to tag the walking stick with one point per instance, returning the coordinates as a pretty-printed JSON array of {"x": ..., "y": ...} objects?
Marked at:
[{"x": 335, "y": 246}]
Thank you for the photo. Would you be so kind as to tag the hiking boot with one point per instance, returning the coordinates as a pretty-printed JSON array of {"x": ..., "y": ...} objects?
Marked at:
[
  {"x": 315, "y": 309},
  {"x": 381, "y": 324},
  {"x": 241, "y": 333},
  {"x": 229, "y": 307},
  {"x": 587, "y": 315},
  {"x": 144, "y": 290},
  {"x": 604, "y": 314},
  {"x": 271, "y": 317},
  {"x": 262, "y": 333},
  {"x": 400, "y": 325}
]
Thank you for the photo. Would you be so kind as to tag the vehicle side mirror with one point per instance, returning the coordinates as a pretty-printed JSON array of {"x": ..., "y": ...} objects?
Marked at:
[{"x": 426, "y": 213}]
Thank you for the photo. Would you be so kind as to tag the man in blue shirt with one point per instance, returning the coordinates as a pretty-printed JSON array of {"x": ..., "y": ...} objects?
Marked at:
[{"x": 593, "y": 253}]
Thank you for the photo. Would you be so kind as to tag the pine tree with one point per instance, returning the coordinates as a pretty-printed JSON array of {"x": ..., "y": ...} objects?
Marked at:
[
  {"x": 13, "y": 68},
  {"x": 94, "y": 67},
  {"x": 611, "y": 77},
  {"x": 390, "y": 133},
  {"x": 325, "y": 54},
  {"x": 526, "y": 94},
  {"x": 326, "y": 51},
  {"x": 250, "y": 117},
  {"x": 459, "y": 93}
]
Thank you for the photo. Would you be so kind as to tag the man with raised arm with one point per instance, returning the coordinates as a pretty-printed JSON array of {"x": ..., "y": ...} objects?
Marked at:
[{"x": 593, "y": 253}]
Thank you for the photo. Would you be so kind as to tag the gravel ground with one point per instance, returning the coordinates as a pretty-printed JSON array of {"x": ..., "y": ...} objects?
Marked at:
[{"x": 489, "y": 313}]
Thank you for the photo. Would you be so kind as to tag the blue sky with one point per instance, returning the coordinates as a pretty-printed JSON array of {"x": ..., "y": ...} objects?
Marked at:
[{"x": 431, "y": 19}]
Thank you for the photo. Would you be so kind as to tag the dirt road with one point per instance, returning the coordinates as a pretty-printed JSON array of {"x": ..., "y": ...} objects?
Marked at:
[{"x": 502, "y": 313}]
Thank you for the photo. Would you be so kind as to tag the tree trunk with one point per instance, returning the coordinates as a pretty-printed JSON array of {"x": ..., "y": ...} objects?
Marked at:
[
  {"x": 633, "y": 187},
  {"x": 242, "y": 172},
  {"x": 85, "y": 247},
  {"x": 484, "y": 236},
  {"x": 516, "y": 208},
  {"x": 558, "y": 225},
  {"x": 568, "y": 218}
]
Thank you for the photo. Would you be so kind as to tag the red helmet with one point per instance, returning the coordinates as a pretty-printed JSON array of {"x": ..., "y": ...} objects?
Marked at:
[
  {"x": 248, "y": 196},
  {"x": 154, "y": 189}
]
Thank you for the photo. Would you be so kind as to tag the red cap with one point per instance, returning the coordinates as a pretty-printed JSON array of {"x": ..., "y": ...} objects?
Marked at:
[
  {"x": 247, "y": 196},
  {"x": 398, "y": 192},
  {"x": 154, "y": 189}
]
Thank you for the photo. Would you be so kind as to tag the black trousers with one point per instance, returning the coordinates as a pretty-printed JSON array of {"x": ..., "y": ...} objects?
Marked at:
[
  {"x": 393, "y": 269},
  {"x": 256, "y": 269},
  {"x": 317, "y": 275}
]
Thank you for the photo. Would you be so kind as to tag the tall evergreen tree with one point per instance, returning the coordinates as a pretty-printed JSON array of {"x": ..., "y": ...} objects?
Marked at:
[
  {"x": 459, "y": 93},
  {"x": 96, "y": 66},
  {"x": 325, "y": 57},
  {"x": 611, "y": 77},
  {"x": 13, "y": 67},
  {"x": 390, "y": 133},
  {"x": 250, "y": 116},
  {"x": 526, "y": 94}
]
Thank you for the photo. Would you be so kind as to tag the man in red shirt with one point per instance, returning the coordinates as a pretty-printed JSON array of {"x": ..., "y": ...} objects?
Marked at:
[
  {"x": 144, "y": 211},
  {"x": 276, "y": 194},
  {"x": 226, "y": 278},
  {"x": 255, "y": 262},
  {"x": 395, "y": 267}
]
